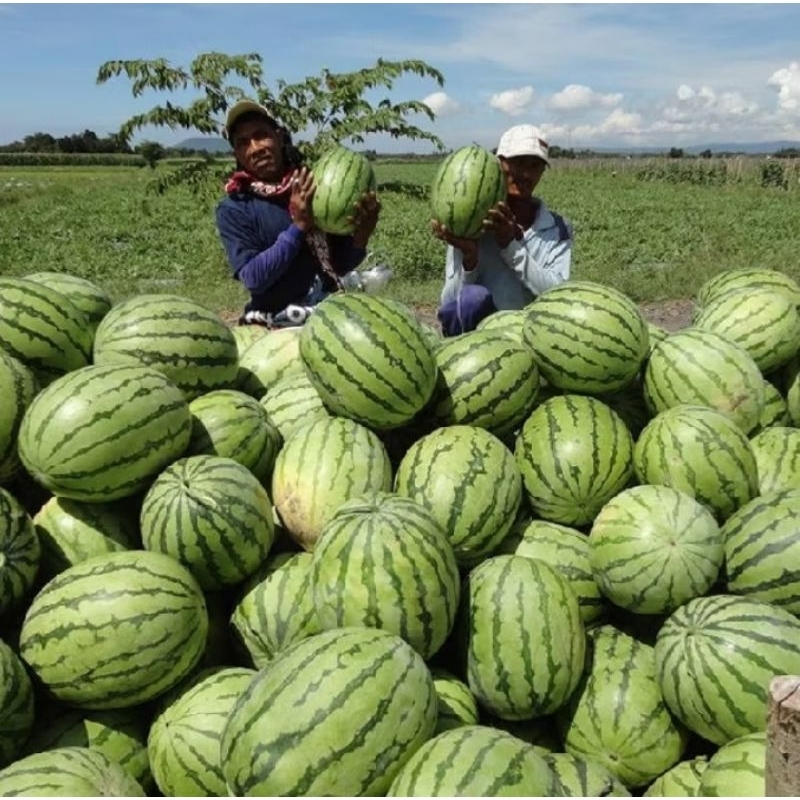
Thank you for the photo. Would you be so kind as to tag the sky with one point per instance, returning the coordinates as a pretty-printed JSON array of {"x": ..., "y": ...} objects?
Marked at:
[{"x": 589, "y": 75}]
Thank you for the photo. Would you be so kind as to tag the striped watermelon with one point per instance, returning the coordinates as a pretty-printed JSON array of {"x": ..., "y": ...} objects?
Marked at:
[
  {"x": 652, "y": 548},
  {"x": 775, "y": 412},
  {"x": 486, "y": 379},
  {"x": 348, "y": 461},
  {"x": 269, "y": 359},
  {"x": 510, "y": 322},
  {"x": 715, "y": 657},
  {"x": 20, "y": 551},
  {"x": 737, "y": 769},
  {"x": 762, "y": 549},
  {"x": 525, "y": 637},
  {"x": 582, "y": 777},
  {"x": 682, "y": 780},
  {"x": 292, "y": 402},
  {"x": 790, "y": 380},
  {"x": 777, "y": 454},
  {"x": 68, "y": 772},
  {"x": 617, "y": 717},
  {"x": 587, "y": 337},
  {"x": 700, "y": 452},
  {"x": 574, "y": 454},
  {"x": 18, "y": 387},
  {"x": 90, "y": 299},
  {"x": 384, "y": 561},
  {"x": 102, "y": 433},
  {"x": 368, "y": 359},
  {"x": 70, "y": 531},
  {"x": 338, "y": 713},
  {"x": 468, "y": 182},
  {"x": 245, "y": 335},
  {"x": 341, "y": 176},
  {"x": 115, "y": 630},
  {"x": 701, "y": 368},
  {"x": 277, "y": 609},
  {"x": 475, "y": 761},
  {"x": 183, "y": 742},
  {"x": 469, "y": 481},
  {"x": 539, "y": 731},
  {"x": 566, "y": 550},
  {"x": 119, "y": 734},
  {"x": 177, "y": 336},
  {"x": 43, "y": 329},
  {"x": 655, "y": 334},
  {"x": 231, "y": 424},
  {"x": 17, "y": 708},
  {"x": 763, "y": 321},
  {"x": 455, "y": 702},
  {"x": 747, "y": 278},
  {"x": 212, "y": 515}
]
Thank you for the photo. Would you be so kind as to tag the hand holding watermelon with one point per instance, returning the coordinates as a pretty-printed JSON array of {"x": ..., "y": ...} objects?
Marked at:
[
  {"x": 364, "y": 218},
  {"x": 467, "y": 246},
  {"x": 301, "y": 199},
  {"x": 500, "y": 220}
]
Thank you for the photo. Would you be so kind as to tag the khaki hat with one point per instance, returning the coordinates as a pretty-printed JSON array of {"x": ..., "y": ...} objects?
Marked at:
[
  {"x": 241, "y": 108},
  {"x": 524, "y": 140}
]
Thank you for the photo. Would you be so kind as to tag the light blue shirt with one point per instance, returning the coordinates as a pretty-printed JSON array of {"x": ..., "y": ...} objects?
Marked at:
[{"x": 519, "y": 272}]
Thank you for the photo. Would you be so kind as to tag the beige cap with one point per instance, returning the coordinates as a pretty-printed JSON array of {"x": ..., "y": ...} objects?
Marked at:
[
  {"x": 240, "y": 108},
  {"x": 524, "y": 140}
]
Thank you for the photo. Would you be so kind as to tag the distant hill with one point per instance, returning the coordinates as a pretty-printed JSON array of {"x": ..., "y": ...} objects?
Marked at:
[{"x": 211, "y": 144}]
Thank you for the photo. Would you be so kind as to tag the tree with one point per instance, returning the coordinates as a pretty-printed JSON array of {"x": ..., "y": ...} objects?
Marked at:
[
  {"x": 151, "y": 152},
  {"x": 327, "y": 108},
  {"x": 676, "y": 152}
]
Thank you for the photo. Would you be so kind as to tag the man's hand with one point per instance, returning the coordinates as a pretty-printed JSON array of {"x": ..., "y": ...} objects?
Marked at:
[
  {"x": 468, "y": 247},
  {"x": 300, "y": 199},
  {"x": 501, "y": 222},
  {"x": 366, "y": 211}
]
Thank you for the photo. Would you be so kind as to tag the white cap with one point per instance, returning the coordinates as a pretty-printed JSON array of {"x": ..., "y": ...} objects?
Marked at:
[{"x": 524, "y": 140}]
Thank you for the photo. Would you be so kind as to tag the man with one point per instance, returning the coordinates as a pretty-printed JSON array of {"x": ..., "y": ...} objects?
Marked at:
[
  {"x": 525, "y": 248},
  {"x": 266, "y": 223}
]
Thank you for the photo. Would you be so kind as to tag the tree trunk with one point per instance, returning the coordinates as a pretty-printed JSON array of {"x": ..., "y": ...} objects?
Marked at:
[{"x": 782, "y": 768}]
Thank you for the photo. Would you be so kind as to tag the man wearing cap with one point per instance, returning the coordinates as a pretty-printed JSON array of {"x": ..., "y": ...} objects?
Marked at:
[
  {"x": 267, "y": 226},
  {"x": 525, "y": 247}
]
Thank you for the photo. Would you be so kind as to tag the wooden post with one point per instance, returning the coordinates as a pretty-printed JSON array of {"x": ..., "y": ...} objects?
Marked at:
[{"x": 782, "y": 768}]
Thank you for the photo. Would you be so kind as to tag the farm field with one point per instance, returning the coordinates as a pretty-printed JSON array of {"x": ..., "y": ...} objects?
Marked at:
[{"x": 654, "y": 229}]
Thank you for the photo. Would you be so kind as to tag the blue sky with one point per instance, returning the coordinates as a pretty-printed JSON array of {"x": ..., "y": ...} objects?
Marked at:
[{"x": 589, "y": 75}]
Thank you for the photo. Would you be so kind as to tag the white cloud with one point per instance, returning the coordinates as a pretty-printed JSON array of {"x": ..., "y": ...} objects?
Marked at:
[
  {"x": 442, "y": 104},
  {"x": 576, "y": 97},
  {"x": 787, "y": 82},
  {"x": 513, "y": 101}
]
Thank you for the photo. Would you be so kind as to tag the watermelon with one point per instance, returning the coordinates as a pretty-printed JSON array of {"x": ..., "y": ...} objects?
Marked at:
[
  {"x": 368, "y": 359},
  {"x": 485, "y": 379},
  {"x": 510, "y": 322},
  {"x": 455, "y": 702},
  {"x": 747, "y": 278},
  {"x": 18, "y": 387},
  {"x": 682, "y": 780},
  {"x": 587, "y": 337},
  {"x": 617, "y": 717},
  {"x": 183, "y": 742},
  {"x": 20, "y": 551},
  {"x": 525, "y": 638},
  {"x": 348, "y": 461},
  {"x": 116, "y": 630},
  {"x": 701, "y": 368},
  {"x": 292, "y": 402},
  {"x": 777, "y": 454},
  {"x": 775, "y": 412},
  {"x": 468, "y": 182},
  {"x": 762, "y": 549},
  {"x": 737, "y": 769},
  {"x": 231, "y": 424},
  {"x": 267, "y": 360},
  {"x": 212, "y": 515},
  {"x": 102, "y": 433},
  {"x": 68, "y": 772},
  {"x": 341, "y": 176},
  {"x": 475, "y": 761},
  {"x": 582, "y": 777},
  {"x": 469, "y": 481},
  {"x": 765, "y": 322},
  {"x": 384, "y": 561},
  {"x": 17, "y": 710},
  {"x": 652, "y": 548},
  {"x": 91, "y": 300},
  {"x": 43, "y": 329},
  {"x": 338, "y": 713},
  {"x": 177, "y": 336},
  {"x": 574, "y": 454},
  {"x": 715, "y": 657}
]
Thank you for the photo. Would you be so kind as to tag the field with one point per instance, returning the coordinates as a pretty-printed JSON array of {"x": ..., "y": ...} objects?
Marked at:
[{"x": 655, "y": 229}]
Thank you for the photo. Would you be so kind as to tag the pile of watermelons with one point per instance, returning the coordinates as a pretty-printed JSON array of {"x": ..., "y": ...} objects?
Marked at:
[{"x": 554, "y": 556}]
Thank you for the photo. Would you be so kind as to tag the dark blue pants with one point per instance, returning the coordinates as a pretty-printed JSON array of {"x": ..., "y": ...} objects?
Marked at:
[{"x": 463, "y": 314}]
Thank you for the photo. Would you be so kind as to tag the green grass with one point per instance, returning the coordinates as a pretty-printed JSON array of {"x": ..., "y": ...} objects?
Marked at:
[{"x": 652, "y": 239}]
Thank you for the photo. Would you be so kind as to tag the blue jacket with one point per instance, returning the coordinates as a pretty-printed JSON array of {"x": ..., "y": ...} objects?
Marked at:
[{"x": 267, "y": 252}]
